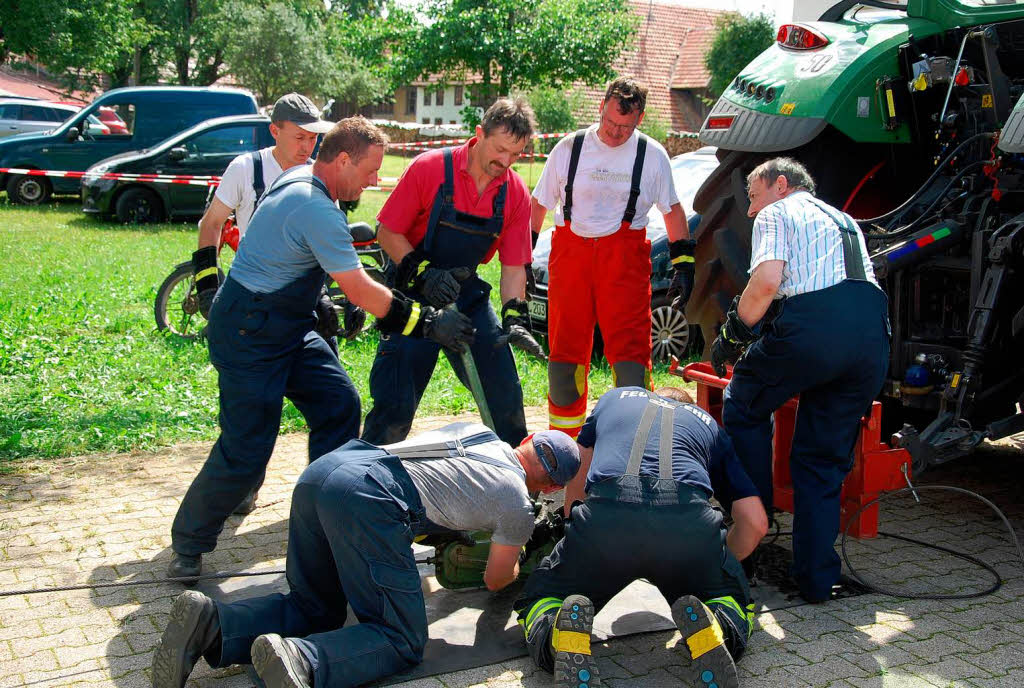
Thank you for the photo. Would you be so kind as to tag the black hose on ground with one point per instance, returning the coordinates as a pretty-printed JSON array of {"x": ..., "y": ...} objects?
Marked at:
[{"x": 893, "y": 592}]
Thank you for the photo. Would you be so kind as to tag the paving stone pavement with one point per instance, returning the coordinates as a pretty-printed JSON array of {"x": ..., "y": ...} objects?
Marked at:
[{"x": 96, "y": 519}]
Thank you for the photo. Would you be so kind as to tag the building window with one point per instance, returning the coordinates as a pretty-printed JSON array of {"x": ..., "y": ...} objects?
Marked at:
[
  {"x": 426, "y": 120},
  {"x": 438, "y": 121},
  {"x": 458, "y": 95},
  {"x": 426, "y": 97},
  {"x": 410, "y": 101},
  {"x": 440, "y": 97},
  {"x": 384, "y": 108}
]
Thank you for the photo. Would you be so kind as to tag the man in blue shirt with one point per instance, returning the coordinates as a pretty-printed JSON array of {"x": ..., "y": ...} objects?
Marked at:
[
  {"x": 262, "y": 331},
  {"x": 649, "y": 465}
]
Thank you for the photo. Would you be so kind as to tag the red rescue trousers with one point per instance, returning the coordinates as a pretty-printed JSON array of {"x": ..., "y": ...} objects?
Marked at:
[{"x": 605, "y": 282}]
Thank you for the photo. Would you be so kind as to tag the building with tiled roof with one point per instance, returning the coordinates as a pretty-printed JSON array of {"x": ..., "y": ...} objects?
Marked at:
[{"x": 668, "y": 57}]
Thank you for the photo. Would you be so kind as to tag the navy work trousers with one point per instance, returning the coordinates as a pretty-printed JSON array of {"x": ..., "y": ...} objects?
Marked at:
[
  {"x": 264, "y": 349},
  {"x": 404, "y": 366},
  {"x": 663, "y": 531},
  {"x": 353, "y": 518},
  {"x": 832, "y": 348}
]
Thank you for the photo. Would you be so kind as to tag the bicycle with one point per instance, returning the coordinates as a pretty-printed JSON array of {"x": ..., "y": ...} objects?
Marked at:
[{"x": 177, "y": 294}]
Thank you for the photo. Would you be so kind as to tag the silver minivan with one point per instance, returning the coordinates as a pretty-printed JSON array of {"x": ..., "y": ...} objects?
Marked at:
[{"x": 19, "y": 116}]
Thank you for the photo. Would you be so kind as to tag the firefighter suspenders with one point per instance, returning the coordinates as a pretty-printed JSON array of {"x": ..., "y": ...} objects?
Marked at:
[
  {"x": 634, "y": 182},
  {"x": 643, "y": 431}
]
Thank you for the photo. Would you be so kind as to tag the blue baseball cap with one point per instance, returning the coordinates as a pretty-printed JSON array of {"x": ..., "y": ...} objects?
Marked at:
[{"x": 558, "y": 454}]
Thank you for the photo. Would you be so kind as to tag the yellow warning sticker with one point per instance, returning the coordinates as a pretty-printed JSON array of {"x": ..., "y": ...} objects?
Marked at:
[
  {"x": 986, "y": 100},
  {"x": 787, "y": 108},
  {"x": 956, "y": 380}
]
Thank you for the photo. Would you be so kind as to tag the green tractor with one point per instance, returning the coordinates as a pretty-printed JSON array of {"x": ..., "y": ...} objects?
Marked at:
[{"x": 904, "y": 113}]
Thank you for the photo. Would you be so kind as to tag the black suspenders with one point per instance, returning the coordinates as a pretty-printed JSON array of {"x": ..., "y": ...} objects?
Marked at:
[
  {"x": 850, "y": 233},
  {"x": 574, "y": 161},
  {"x": 634, "y": 182}
]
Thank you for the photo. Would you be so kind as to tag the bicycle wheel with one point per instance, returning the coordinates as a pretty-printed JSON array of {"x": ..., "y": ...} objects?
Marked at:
[{"x": 176, "y": 308}]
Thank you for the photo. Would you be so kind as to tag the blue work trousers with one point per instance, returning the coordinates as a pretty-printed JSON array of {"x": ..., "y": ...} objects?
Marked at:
[
  {"x": 264, "y": 349},
  {"x": 354, "y": 514},
  {"x": 404, "y": 366},
  {"x": 832, "y": 348}
]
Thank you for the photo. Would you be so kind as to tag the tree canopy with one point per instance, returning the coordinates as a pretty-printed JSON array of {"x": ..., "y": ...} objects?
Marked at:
[
  {"x": 737, "y": 41},
  {"x": 518, "y": 44}
]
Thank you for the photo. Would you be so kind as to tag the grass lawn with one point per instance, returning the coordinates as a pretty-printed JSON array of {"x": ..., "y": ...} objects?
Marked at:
[{"x": 82, "y": 367}]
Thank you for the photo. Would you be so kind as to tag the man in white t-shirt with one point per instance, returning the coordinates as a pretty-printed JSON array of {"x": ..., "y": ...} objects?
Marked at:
[
  {"x": 605, "y": 179},
  {"x": 295, "y": 124}
]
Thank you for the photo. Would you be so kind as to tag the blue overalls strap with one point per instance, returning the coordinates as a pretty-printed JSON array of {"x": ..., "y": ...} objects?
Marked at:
[
  {"x": 574, "y": 161},
  {"x": 634, "y": 182},
  {"x": 449, "y": 176},
  {"x": 450, "y": 449},
  {"x": 850, "y": 234},
  {"x": 643, "y": 432},
  {"x": 258, "y": 185}
]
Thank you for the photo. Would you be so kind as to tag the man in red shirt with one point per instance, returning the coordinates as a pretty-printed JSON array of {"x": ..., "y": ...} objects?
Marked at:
[{"x": 451, "y": 211}]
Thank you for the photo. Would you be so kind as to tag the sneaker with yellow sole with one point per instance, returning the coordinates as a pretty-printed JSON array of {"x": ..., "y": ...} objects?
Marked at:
[
  {"x": 713, "y": 666},
  {"x": 570, "y": 641}
]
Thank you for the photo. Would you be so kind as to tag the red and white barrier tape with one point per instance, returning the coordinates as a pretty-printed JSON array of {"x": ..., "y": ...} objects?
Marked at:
[
  {"x": 422, "y": 145},
  {"x": 539, "y": 156},
  {"x": 194, "y": 180}
]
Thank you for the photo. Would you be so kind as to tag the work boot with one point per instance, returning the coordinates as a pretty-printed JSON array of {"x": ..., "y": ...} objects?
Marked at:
[
  {"x": 280, "y": 663},
  {"x": 570, "y": 643},
  {"x": 187, "y": 566},
  {"x": 193, "y": 629},
  {"x": 248, "y": 504},
  {"x": 711, "y": 662}
]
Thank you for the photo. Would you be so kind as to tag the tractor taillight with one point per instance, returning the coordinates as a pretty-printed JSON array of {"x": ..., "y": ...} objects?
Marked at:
[
  {"x": 798, "y": 37},
  {"x": 720, "y": 122}
]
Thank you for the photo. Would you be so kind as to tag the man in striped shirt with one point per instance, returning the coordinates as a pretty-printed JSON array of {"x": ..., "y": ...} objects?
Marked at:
[{"x": 813, "y": 321}]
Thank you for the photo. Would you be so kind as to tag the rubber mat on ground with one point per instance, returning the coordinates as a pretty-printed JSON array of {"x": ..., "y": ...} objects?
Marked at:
[{"x": 474, "y": 628}]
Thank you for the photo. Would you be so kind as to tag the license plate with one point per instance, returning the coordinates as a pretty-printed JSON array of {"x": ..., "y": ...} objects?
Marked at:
[{"x": 538, "y": 309}]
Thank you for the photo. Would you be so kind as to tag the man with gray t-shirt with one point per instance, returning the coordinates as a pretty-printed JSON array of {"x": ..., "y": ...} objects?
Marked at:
[{"x": 354, "y": 515}]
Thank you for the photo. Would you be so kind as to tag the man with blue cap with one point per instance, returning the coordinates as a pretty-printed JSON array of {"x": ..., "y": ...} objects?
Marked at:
[
  {"x": 650, "y": 465},
  {"x": 355, "y": 513}
]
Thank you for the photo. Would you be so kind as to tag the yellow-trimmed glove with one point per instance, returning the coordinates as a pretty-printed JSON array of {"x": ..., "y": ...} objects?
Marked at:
[{"x": 680, "y": 254}]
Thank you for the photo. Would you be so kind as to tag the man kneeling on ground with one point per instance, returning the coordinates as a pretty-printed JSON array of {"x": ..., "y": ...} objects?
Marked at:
[
  {"x": 354, "y": 514},
  {"x": 650, "y": 465}
]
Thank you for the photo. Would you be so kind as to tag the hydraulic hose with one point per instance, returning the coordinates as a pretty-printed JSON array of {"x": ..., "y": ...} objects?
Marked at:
[
  {"x": 895, "y": 212},
  {"x": 909, "y": 229},
  {"x": 894, "y": 592}
]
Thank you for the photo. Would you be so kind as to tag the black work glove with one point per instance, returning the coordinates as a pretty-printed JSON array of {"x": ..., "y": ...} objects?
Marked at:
[
  {"x": 437, "y": 287},
  {"x": 204, "y": 267},
  {"x": 681, "y": 255},
  {"x": 448, "y": 327},
  {"x": 732, "y": 340},
  {"x": 327, "y": 318},
  {"x": 518, "y": 331},
  {"x": 354, "y": 318}
]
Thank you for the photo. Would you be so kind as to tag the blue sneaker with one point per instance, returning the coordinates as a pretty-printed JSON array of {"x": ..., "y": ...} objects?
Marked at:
[
  {"x": 570, "y": 641},
  {"x": 711, "y": 663}
]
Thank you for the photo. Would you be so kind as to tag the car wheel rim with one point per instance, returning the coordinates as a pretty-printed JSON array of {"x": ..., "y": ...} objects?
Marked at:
[
  {"x": 670, "y": 333},
  {"x": 142, "y": 212},
  {"x": 31, "y": 190}
]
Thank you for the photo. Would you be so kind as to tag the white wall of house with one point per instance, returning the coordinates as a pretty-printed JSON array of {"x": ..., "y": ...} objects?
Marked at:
[
  {"x": 428, "y": 111},
  {"x": 782, "y": 10}
]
